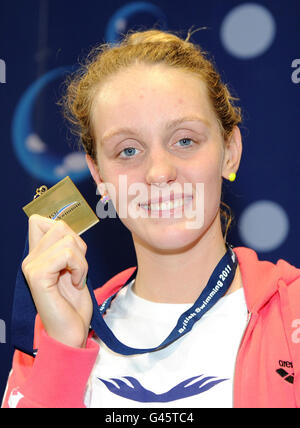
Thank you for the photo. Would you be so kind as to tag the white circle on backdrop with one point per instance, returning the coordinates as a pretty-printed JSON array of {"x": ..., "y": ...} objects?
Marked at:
[
  {"x": 248, "y": 30},
  {"x": 71, "y": 162},
  {"x": 263, "y": 225},
  {"x": 34, "y": 144},
  {"x": 120, "y": 25}
]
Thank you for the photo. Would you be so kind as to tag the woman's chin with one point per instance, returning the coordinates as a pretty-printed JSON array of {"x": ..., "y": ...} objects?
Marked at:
[{"x": 170, "y": 238}]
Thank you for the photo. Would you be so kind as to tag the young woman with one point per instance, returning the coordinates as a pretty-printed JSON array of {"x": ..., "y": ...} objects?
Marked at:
[{"x": 154, "y": 110}]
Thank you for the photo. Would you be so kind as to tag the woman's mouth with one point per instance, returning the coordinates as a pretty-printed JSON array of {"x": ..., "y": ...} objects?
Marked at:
[{"x": 163, "y": 208}]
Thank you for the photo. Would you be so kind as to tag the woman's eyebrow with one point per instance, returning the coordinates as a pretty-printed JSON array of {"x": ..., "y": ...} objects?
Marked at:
[
  {"x": 171, "y": 124},
  {"x": 176, "y": 122}
]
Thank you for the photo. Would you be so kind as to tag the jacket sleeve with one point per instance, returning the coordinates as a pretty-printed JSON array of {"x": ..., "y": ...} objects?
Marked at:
[{"x": 55, "y": 378}]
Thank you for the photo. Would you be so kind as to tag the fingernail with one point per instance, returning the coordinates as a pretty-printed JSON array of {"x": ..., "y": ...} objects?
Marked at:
[{"x": 83, "y": 284}]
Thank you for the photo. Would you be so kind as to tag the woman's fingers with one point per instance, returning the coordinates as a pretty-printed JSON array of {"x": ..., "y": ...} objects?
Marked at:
[
  {"x": 38, "y": 227},
  {"x": 44, "y": 232},
  {"x": 44, "y": 270}
]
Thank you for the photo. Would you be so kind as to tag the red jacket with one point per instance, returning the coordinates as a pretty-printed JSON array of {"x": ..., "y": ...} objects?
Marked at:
[{"x": 267, "y": 371}]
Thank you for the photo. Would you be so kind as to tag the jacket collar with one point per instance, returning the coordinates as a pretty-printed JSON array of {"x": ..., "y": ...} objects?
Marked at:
[{"x": 260, "y": 277}]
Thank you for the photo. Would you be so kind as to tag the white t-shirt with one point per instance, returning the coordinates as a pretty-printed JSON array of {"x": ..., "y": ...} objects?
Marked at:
[{"x": 195, "y": 371}]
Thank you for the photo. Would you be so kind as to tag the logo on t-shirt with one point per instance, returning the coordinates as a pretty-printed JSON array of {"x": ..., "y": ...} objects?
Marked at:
[{"x": 137, "y": 392}]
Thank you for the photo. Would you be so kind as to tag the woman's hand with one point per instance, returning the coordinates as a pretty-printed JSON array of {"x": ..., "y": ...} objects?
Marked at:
[{"x": 56, "y": 271}]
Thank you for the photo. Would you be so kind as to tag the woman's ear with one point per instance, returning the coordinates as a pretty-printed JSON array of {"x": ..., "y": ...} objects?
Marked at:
[
  {"x": 233, "y": 153},
  {"x": 94, "y": 170}
]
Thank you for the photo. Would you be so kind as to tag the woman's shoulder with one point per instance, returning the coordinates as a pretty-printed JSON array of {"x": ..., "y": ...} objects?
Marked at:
[
  {"x": 114, "y": 284},
  {"x": 263, "y": 278},
  {"x": 249, "y": 257}
]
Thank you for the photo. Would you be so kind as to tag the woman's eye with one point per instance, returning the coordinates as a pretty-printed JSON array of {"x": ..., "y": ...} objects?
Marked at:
[
  {"x": 128, "y": 152},
  {"x": 186, "y": 142}
]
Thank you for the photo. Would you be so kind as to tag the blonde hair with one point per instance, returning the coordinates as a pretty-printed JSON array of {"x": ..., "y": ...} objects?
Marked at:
[{"x": 146, "y": 47}]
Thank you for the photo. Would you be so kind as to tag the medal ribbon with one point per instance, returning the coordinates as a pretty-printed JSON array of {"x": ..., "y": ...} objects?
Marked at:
[
  {"x": 24, "y": 311},
  {"x": 216, "y": 287}
]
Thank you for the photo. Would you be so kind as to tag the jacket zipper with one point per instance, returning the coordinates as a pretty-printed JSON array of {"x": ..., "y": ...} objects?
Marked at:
[{"x": 244, "y": 333}]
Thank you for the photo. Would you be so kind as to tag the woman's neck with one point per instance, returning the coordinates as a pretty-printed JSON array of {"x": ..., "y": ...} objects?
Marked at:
[{"x": 180, "y": 277}]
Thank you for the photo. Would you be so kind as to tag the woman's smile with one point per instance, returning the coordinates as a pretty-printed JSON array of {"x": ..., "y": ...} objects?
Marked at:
[{"x": 168, "y": 207}]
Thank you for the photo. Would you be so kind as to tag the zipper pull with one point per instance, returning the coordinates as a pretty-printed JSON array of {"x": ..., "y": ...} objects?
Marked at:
[{"x": 249, "y": 317}]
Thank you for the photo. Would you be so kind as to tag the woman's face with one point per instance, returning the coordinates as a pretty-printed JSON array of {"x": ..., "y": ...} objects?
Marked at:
[{"x": 155, "y": 129}]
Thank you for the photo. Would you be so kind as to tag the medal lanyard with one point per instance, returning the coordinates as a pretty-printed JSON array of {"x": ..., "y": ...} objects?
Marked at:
[
  {"x": 216, "y": 287},
  {"x": 24, "y": 311}
]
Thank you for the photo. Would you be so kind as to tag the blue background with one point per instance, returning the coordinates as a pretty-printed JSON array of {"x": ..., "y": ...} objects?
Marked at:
[{"x": 41, "y": 39}]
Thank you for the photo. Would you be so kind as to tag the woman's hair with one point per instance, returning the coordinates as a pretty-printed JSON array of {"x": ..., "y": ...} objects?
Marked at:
[{"x": 146, "y": 47}]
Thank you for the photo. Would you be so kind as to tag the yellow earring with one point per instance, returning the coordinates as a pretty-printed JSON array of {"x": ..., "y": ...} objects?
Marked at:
[{"x": 232, "y": 176}]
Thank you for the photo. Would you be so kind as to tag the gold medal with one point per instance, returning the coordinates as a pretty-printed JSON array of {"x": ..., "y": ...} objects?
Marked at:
[{"x": 64, "y": 202}]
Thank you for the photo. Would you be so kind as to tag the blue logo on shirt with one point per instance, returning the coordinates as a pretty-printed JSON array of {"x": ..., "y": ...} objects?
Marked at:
[{"x": 137, "y": 392}]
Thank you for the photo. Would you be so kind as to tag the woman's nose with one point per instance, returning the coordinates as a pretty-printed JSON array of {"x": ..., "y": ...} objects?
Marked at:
[{"x": 161, "y": 168}]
